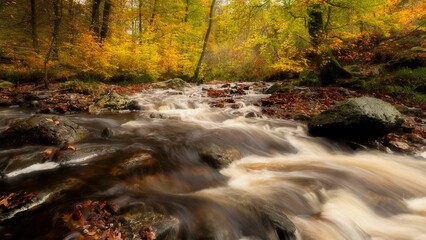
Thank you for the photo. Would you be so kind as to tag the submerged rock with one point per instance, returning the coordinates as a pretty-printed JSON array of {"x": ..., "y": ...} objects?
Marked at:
[
  {"x": 363, "y": 118},
  {"x": 42, "y": 130},
  {"x": 139, "y": 163},
  {"x": 113, "y": 101},
  {"x": 219, "y": 156},
  {"x": 150, "y": 224},
  {"x": 175, "y": 83}
]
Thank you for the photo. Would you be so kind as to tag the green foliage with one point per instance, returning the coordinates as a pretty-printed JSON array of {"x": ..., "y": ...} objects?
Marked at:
[
  {"x": 402, "y": 93},
  {"x": 309, "y": 78},
  {"x": 399, "y": 85},
  {"x": 22, "y": 75},
  {"x": 418, "y": 74}
]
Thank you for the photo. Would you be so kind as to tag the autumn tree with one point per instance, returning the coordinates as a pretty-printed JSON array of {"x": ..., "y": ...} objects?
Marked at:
[
  {"x": 151, "y": 39},
  {"x": 34, "y": 32},
  {"x": 325, "y": 61},
  {"x": 205, "y": 41},
  {"x": 94, "y": 23}
]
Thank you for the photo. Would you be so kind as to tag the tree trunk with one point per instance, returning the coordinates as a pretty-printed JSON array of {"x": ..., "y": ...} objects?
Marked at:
[
  {"x": 330, "y": 69},
  {"x": 53, "y": 48},
  {"x": 206, "y": 39},
  {"x": 72, "y": 30},
  {"x": 315, "y": 24},
  {"x": 140, "y": 18},
  {"x": 57, "y": 9},
  {"x": 105, "y": 19},
  {"x": 154, "y": 13},
  {"x": 326, "y": 63},
  {"x": 94, "y": 23},
  {"x": 185, "y": 19},
  {"x": 34, "y": 32}
]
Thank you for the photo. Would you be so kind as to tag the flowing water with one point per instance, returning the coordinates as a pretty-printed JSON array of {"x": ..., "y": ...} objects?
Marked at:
[{"x": 152, "y": 161}]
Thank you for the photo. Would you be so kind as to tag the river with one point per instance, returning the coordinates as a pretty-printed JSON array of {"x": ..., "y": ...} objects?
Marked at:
[{"x": 283, "y": 177}]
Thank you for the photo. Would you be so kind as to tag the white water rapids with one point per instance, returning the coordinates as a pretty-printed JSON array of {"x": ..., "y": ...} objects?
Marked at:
[
  {"x": 326, "y": 189},
  {"x": 327, "y": 192}
]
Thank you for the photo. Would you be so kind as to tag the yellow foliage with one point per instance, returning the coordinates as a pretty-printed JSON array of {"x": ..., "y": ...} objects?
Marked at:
[
  {"x": 89, "y": 55},
  {"x": 249, "y": 37}
]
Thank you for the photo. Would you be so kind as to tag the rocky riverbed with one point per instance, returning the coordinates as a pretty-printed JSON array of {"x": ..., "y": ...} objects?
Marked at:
[
  {"x": 295, "y": 103},
  {"x": 217, "y": 161}
]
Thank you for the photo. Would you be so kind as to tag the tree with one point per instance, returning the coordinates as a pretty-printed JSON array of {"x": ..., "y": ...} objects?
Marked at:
[
  {"x": 105, "y": 19},
  {"x": 327, "y": 64},
  {"x": 34, "y": 32},
  {"x": 52, "y": 52},
  {"x": 206, "y": 39},
  {"x": 94, "y": 23},
  {"x": 57, "y": 10}
]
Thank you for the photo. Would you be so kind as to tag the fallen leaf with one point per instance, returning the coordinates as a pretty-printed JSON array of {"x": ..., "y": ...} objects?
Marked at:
[
  {"x": 69, "y": 147},
  {"x": 4, "y": 200},
  {"x": 15, "y": 200},
  {"x": 147, "y": 233},
  {"x": 49, "y": 119},
  {"x": 49, "y": 152}
]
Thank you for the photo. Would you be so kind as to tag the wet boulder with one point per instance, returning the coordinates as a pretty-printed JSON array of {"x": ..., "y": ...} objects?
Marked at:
[
  {"x": 113, "y": 101},
  {"x": 14, "y": 202},
  {"x": 175, "y": 83},
  {"x": 138, "y": 164},
  {"x": 363, "y": 118},
  {"x": 150, "y": 224},
  {"x": 219, "y": 156},
  {"x": 42, "y": 130}
]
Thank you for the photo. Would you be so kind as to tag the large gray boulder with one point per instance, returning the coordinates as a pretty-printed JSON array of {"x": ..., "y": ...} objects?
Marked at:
[
  {"x": 42, "y": 130},
  {"x": 363, "y": 118}
]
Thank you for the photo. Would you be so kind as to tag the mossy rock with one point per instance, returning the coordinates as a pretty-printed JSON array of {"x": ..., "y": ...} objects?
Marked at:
[
  {"x": 418, "y": 49},
  {"x": 309, "y": 78},
  {"x": 363, "y": 118},
  {"x": 113, "y": 101},
  {"x": 42, "y": 130},
  {"x": 175, "y": 83},
  {"x": 355, "y": 70},
  {"x": 5, "y": 84},
  {"x": 276, "y": 87}
]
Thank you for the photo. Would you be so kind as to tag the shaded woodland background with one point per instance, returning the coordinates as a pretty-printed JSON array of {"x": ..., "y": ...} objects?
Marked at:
[{"x": 236, "y": 40}]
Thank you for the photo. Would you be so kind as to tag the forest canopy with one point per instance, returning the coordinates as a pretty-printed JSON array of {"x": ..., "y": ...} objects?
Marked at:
[{"x": 145, "y": 40}]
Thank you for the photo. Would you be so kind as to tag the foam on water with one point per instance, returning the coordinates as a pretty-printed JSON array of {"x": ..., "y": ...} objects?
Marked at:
[
  {"x": 34, "y": 168},
  {"x": 326, "y": 189}
]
